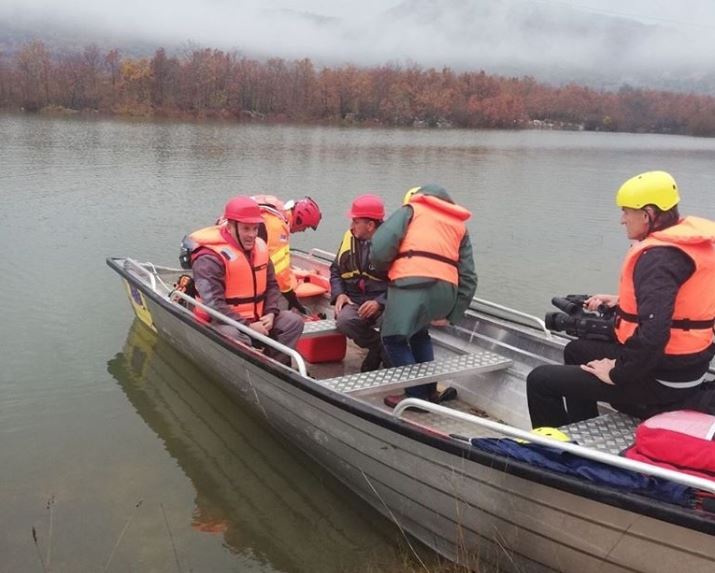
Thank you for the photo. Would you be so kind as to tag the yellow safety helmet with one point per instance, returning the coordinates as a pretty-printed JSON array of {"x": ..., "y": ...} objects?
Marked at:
[
  {"x": 650, "y": 188},
  {"x": 552, "y": 433},
  {"x": 410, "y": 193},
  {"x": 547, "y": 432}
]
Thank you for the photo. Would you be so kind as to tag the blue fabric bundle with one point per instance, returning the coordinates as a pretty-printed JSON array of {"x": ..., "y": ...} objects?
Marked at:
[{"x": 597, "y": 473}]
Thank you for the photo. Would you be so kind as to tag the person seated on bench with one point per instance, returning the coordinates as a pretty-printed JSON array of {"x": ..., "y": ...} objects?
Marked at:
[
  {"x": 665, "y": 310},
  {"x": 426, "y": 249},
  {"x": 234, "y": 275},
  {"x": 280, "y": 221},
  {"x": 359, "y": 291}
]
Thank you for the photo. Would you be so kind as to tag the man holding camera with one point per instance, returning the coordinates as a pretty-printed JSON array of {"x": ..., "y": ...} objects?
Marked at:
[{"x": 665, "y": 311}]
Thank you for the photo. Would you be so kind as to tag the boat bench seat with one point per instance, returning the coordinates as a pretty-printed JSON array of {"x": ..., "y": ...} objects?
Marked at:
[
  {"x": 415, "y": 374},
  {"x": 612, "y": 432},
  {"x": 319, "y": 327}
]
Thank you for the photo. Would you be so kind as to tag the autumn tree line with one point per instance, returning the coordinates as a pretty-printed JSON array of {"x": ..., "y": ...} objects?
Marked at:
[{"x": 206, "y": 83}]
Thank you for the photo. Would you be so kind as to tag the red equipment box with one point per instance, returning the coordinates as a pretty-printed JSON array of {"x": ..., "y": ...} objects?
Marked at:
[{"x": 323, "y": 347}]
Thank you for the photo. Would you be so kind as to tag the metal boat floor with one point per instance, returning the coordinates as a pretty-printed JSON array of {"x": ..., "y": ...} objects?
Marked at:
[
  {"x": 349, "y": 365},
  {"x": 611, "y": 433},
  {"x": 437, "y": 422},
  {"x": 451, "y": 426}
]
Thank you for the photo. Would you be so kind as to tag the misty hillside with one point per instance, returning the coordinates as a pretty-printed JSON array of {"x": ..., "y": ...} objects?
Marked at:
[
  {"x": 552, "y": 42},
  {"x": 62, "y": 39},
  {"x": 559, "y": 44}
]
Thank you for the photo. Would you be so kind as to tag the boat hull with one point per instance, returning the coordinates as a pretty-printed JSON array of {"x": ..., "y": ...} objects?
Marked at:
[{"x": 456, "y": 501}]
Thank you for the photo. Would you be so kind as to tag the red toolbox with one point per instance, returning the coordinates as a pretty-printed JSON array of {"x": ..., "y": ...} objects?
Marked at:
[{"x": 328, "y": 347}]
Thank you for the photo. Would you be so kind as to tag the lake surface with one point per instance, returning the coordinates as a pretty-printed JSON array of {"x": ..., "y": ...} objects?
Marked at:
[{"x": 114, "y": 448}]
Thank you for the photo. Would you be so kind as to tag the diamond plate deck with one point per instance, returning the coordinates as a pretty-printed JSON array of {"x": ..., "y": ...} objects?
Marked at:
[
  {"x": 313, "y": 327},
  {"x": 610, "y": 433},
  {"x": 422, "y": 373}
]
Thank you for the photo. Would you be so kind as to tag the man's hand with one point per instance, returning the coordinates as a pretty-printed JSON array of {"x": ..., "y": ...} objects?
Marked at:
[
  {"x": 341, "y": 301},
  {"x": 259, "y": 327},
  {"x": 267, "y": 321},
  {"x": 596, "y": 300},
  {"x": 440, "y": 322},
  {"x": 369, "y": 309},
  {"x": 601, "y": 369}
]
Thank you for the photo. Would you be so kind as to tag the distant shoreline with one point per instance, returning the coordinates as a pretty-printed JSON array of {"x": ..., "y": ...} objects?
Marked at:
[
  {"x": 227, "y": 117},
  {"x": 211, "y": 84}
]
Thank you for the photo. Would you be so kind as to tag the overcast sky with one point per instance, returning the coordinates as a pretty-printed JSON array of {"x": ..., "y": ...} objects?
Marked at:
[{"x": 461, "y": 33}]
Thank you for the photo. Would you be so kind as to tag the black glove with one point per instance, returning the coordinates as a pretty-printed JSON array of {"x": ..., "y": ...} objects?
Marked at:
[{"x": 293, "y": 302}]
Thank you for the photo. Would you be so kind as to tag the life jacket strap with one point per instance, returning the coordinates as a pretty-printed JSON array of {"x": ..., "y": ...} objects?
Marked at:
[
  {"x": 428, "y": 255},
  {"x": 679, "y": 323},
  {"x": 244, "y": 299}
]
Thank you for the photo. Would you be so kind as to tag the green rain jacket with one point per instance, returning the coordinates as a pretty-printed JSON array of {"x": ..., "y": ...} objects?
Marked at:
[{"x": 413, "y": 302}]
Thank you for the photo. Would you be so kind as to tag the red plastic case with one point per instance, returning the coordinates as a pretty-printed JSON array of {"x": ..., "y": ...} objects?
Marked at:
[{"x": 323, "y": 347}]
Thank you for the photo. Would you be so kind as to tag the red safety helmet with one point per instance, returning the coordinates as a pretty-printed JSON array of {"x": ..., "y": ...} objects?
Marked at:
[
  {"x": 243, "y": 210},
  {"x": 367, "y": 207},
  {"x": 306, "y": 213}
]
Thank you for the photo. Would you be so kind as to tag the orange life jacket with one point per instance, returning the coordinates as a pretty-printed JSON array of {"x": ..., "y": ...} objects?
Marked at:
[
  {"x": 270, "y": 201},
  {"x": 278, "y": 239},
  {"x": 694, "y": 311},
  {"x": 245, "y": 288},
  {"x": 430, "y": 248}
]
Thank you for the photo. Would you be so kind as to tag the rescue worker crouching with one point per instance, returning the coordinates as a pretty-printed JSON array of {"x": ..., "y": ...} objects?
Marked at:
[
  {"x": 665, "y": 310},
  {"x": 234, "y": 275},
  {"x": 358, "y": 290},
  {"x": 426, "y": 250},
  {"x": 280, "y": 220}
]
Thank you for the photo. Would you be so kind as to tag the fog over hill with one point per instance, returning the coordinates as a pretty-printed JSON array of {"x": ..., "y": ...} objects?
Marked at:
[{"x": 602, "y": 43}]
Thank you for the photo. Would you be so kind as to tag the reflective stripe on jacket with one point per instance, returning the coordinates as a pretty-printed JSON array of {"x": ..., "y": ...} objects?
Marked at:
[
  {"x": 694, "y": 310},
  {"x": 245, "y": 283},
  {"x": 278, "y": 239},
  {"x": 356, "y": 271},
  {"x": 430, "y": 247}
]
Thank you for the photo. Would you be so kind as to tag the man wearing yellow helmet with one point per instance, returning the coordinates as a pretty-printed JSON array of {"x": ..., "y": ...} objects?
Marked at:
[
  {"x": 665, "y": 311},
  {"x": 426, "y": 251},
  {"x": 410, "y": 193}
]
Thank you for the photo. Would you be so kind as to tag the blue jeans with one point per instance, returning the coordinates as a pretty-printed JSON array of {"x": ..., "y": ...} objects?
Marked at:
[{"x": 418, "y": 348}]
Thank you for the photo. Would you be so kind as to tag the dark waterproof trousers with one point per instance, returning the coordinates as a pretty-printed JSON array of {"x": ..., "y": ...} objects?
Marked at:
[
  {"x": 560, "y": 395},
  {"x": 360, "y": 330}
]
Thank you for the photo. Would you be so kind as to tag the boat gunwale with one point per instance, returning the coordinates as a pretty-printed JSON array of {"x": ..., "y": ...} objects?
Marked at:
[{"x": 625, "y": 501}]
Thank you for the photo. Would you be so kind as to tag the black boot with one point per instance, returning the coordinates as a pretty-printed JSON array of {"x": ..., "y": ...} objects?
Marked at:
[{"x": 372, "y": 360}]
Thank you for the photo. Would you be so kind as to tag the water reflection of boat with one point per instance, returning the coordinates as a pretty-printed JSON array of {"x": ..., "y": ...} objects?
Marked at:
[
  {"x": 250, "y": 487},
  {"x": 457, "y": 498}
]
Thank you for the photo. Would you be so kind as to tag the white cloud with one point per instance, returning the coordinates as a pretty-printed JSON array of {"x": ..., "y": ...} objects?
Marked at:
[{"x": 461, "y": 33}]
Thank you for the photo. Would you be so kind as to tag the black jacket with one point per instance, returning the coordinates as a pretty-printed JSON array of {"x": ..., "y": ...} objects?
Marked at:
[{"x": 366, "y": 284}]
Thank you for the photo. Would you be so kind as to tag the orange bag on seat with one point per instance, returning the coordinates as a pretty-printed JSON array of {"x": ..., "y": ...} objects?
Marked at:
[{"x": 310, "y": 284}]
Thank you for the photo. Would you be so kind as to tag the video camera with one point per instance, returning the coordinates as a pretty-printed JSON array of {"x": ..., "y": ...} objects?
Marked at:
[{"x": 577, "y": 321}]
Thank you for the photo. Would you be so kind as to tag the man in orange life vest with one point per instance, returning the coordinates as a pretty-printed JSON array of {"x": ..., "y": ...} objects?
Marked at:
[
  {"x": 427, "y": 252},
  {"x": 358, "y": 291},
  {"x": 280, "y": 220},
  {"x": 665, "y": 310},
  {"x": 234, "y": 275}
]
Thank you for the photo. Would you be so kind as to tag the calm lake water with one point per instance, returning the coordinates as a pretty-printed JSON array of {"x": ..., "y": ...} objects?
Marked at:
[{"x": 114, "y": 448}]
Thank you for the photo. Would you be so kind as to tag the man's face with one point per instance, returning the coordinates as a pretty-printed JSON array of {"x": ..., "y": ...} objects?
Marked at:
[
  {"x": 247, "y": 233},
  {"x": 636, "y": 223},
  {"x": 363, "y": 229}
]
